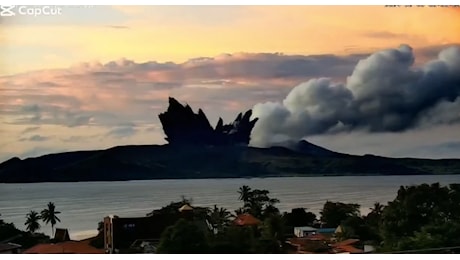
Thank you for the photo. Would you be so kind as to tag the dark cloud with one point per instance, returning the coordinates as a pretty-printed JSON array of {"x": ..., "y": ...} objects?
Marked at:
[
  {"x": 229, "y": 66},
  {"x": 48, "y": 114},
  {"x": 122, "y": 131},
  {"x": 434, "y": 50},
  {"x": 384, "y": 93},
  {"x": 442, "y": 150},
  {"x": 79, "y": 138},
  {"x": 35, "y": 138},
  {"x": 30, "y": 129}
]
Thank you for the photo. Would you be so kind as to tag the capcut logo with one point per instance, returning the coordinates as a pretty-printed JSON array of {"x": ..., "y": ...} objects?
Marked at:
[
  {"x": 7, "y": 10},
  {"x": 13, "y": 10}
]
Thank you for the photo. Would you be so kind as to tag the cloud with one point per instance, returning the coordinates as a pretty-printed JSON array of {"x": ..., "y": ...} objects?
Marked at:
[
  {"x": 30, "y": 129},
  {"x": 101, "y": 97},
  {"x": 79, "y": 138},
  {"x": 48, "y": 114},
  {"x": 384, "y": 93},
  {"x": 117, "y": 27},
  {"x": 94, "y": 93},
  {"x": 386, "y": 35},
  {"x": 35, "y": 138},
  {"x": 122, "y": 131}
]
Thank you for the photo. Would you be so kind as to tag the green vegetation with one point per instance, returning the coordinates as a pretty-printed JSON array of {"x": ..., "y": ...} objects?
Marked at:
[
  {"x": 424, "y": 216},
  {"x": 9, "y": 233},
  {"x": 49, "y": 215},
  {"x": 32, "y": 223},
  {"x": 420, "y": 217},
  {"x": 30, "y": 237}
]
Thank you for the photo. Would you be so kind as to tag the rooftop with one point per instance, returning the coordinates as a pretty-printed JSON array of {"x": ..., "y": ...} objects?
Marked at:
[
  {"x": 246, "y": 219},
  {"x": 68, "y": 247},
  {"x": 8, "y": 246}
]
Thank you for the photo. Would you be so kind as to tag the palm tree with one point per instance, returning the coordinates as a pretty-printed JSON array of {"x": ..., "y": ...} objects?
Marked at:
[
  {"x": 244, "y": 192},
  {"x": 378, "y": 208},
  {"x": 49, "y": 215},
  {"x": 32, "y": 221},
  {"x": 219, "y": 218}
]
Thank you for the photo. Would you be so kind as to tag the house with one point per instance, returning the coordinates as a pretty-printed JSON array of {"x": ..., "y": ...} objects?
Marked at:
[
  {"x": 246, "y": 219},
  {"x": 122, "y": 233},
  {"x": 9, "y": 248},
  {"x": 309, "y": 245},
  {"x": 348, "y": 246},
  {"x": 327, "y": 233},
  {"x": 67, "y": 247},
  {"x": 61, "y": 235},
  {"x": 304, "y": 231}
]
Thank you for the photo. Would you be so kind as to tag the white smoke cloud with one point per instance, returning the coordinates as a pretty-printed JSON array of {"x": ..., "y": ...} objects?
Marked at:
[{"x": 384, "y": 93}]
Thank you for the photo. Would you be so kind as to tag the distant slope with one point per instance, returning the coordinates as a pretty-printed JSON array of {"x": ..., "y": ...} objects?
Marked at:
[
  {"x": 308, "y": 148},
  {"x": 170, "y": 162}
]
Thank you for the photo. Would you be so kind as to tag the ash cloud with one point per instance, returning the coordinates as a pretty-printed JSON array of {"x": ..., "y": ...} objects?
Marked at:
[{"x": 384, "y": 93}]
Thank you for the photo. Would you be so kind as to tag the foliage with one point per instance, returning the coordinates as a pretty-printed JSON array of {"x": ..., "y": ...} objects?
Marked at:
[
  {"x": 234, "y": 240},
  {"x": 333, "y": 213},
  {"x": 49, "y": 215},
  {"x": 257, "y": 202},
  {"x": 219, "y": 218},
  {"x": 299, "y": 217},
  {"x": 274, "y": 228},
  {"x": 98, "y": 241},
  {"x": 185, "y": 237},
  {"x": 8, "y": 232},
  {"x": 422, "y": 216},
  {"x": 32, "y": 221}
]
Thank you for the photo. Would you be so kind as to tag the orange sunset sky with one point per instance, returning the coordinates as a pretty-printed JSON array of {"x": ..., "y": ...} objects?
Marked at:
[{"x": 96, "y": 77}]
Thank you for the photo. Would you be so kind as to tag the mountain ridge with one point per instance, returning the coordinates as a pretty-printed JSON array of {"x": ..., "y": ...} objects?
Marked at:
[{"x": 145, "y": 162}]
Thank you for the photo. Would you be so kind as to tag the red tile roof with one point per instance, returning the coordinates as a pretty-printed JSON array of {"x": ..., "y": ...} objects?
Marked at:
[
  {"x": 346, "y": 242},
  {"x": 68, "y": 247},
  {"x": 347, "y": 246},
  {"x": 246, "y": 219},
  {"x": 350, "y": 249},
  {"x": 317, "y": 237}
]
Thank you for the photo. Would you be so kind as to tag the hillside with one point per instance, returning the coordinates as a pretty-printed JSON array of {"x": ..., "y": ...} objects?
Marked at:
[{"x": 174, "y": 162}]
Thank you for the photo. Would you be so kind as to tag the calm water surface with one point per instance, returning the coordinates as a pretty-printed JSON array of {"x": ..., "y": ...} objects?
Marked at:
[{"x": 84, "y": 204}]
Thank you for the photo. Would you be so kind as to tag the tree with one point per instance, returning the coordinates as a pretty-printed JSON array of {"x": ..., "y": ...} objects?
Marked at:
[
  {"x": 274, "y": 228},
  {"x": 421, "y": 215},
  {"x": 49, "y": 215},
  {"x": 185, "y": 237},
  {"x": 257, "y": 202},
  {"x": 234, "y": 240},
  {"x": 333, "y": 213},
  {"x": 98, "y": 241},
  {"x": 1, "y": 221},
  {"x": 219, "y": 218},
  {"x": 32, "y": 223},
  {"x": 299, "y": 217},
  {"x": 244, "y": 192}
]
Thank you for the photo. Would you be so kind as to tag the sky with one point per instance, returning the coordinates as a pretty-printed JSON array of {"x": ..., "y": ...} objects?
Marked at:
[{"x": 354, "y": 79}]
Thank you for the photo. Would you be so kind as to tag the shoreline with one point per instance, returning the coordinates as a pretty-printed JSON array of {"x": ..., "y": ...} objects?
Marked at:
[{"x": 242, "y": 177}]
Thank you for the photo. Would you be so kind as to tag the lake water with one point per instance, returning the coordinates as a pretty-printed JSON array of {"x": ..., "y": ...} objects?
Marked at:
[{"x": 84, "y": 204}]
